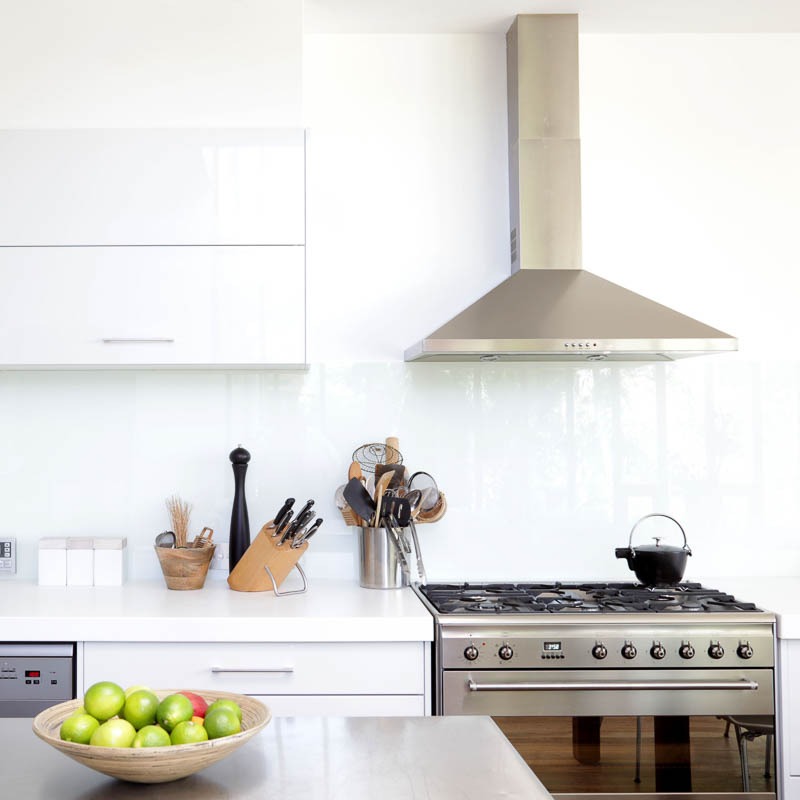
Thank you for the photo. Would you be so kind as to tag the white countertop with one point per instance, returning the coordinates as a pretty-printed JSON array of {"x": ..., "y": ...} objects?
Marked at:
[
  {"x": 779, "y": 595},
  {"x": 330, "y": 610}
]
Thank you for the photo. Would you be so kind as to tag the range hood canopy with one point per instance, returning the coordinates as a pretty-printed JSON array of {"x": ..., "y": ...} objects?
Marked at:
[{"x": 551, "y": 309}]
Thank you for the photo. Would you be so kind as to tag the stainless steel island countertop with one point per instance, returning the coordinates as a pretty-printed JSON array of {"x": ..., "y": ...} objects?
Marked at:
[{"x": 304, "y": 758}]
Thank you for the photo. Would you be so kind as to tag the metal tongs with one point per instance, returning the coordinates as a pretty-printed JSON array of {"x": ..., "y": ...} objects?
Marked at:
[{"x": 397, "y": 515}]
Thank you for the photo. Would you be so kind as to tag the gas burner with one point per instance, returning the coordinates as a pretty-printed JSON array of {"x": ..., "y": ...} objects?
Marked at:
[
  {"x": 579, "y": 598},
  {"x": 501, "y": 606}
]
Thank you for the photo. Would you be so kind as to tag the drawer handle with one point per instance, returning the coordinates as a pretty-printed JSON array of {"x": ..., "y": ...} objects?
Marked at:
[
  {"x": 137, "y": 340},
  {"x": 287, "y": 670}
]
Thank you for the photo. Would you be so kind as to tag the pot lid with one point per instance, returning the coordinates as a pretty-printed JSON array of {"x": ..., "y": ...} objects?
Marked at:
[{"x": 660, "y": 548}]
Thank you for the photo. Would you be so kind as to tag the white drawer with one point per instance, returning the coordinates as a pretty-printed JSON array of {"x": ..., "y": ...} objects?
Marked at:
[
  {"x": 344, "y": 705},
  {"x": 116, "y": 306},
  {"x": 316, "y": 668}
]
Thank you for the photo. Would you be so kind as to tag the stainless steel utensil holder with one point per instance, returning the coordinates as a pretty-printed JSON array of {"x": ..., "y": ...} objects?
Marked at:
[{"x": 379, "y": 564}]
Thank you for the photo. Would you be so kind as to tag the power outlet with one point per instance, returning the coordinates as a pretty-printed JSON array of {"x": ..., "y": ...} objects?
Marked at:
[
  {"x": 8, "y": 556},
  {"x": 220, "y": 559}
]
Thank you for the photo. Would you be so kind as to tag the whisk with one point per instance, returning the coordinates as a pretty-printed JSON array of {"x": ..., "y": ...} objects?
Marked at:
[{"x": 370, "y": 455}]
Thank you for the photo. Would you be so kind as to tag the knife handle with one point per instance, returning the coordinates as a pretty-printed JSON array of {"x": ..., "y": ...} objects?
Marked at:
[
  {"x": 286, "y": 519},
  {"x": 278, "y": 518}
]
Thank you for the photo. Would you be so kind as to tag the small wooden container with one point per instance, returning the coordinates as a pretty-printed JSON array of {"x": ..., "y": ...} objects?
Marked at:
[
  {"x": 185, "y": 567},
  {"x": 250, "y": 575}
]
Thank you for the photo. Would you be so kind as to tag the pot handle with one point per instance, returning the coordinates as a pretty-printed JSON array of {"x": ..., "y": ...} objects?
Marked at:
[{"x": 666, "y": 516}]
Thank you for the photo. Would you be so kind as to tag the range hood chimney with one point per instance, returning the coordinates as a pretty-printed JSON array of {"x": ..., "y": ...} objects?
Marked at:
[{"x": 551, "y": 309}]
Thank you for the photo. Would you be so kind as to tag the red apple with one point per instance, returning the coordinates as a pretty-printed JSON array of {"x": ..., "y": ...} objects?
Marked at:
[{"x": 199, "y": 705}]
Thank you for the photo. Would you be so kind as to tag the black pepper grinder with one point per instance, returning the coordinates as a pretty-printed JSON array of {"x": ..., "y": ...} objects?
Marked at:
[{"x": 239, "y": 539}]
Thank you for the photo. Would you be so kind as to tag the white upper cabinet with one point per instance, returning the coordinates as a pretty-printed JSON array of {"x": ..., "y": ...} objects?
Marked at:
[
  {"x": 152, "y": 199},
  {"x": 151, "y": 64},
  {"x": 155, "y": 187},
  {"x": 152, "y": 306}
]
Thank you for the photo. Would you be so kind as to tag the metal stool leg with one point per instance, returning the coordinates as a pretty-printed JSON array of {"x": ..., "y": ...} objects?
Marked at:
[
  {"x": 638, "y": 778},
  {"x": 768, "y": 755},
  {"x": 742, "y": 742}
]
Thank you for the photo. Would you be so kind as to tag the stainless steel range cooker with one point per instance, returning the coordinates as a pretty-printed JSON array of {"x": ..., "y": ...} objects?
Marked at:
[{"x": 614, "y": 688}]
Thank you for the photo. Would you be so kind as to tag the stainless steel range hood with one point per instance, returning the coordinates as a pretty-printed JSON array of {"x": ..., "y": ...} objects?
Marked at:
[{"x": 551, "y": 309}]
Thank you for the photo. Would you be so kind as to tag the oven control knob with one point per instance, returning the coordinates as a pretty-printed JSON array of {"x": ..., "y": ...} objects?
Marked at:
[
  {"x": 715, "y": 650},
  {"x": 628, "y": 651},
  {"x": 600, "y": 651},
  {"x": 744, "y": 650},
  {"x": 686, "y": 650},
  {"x": 658, "y": 650},
  {"x": 505, "y": 652},
  {"x": 471, "y": 653}
]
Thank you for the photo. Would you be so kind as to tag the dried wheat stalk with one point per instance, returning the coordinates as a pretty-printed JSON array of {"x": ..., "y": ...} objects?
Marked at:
[{"x": 179, "y": 513}]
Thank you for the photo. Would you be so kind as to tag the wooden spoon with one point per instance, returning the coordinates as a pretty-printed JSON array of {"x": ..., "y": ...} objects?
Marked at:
[{"x": 355, "y": 471}]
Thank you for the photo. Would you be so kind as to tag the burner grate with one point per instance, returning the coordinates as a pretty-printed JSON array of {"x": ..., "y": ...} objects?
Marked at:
[{"x": 579, "y": 598}]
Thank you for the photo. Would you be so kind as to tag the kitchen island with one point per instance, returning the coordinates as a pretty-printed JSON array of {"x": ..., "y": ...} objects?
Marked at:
[{"x": 312, "y": 758}]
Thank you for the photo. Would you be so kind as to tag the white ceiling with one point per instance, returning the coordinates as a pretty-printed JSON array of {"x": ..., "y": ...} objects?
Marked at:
[{"x": 596, "y": 16}]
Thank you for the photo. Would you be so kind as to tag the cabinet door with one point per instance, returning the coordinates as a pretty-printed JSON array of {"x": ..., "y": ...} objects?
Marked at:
[
  {"x": 790, "y": 706},
  {"x": 152, "y": 306},
  {"x": 152, "y": 187}
]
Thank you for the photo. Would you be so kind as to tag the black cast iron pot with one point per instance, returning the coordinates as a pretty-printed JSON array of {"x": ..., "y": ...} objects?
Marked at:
[{"x": 656, "y": 564}]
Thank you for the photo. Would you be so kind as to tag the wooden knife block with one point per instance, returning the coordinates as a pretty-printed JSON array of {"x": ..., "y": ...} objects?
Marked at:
[{"x": 250, "y": 575}]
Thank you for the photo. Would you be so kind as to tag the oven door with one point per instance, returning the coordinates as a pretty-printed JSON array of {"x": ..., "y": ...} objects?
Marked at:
[{"x": 619, "y": 732}]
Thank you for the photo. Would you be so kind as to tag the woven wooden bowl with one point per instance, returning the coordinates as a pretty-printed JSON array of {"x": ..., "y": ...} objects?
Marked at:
[
  {"x": 185, "y": 567},
  {"x": 153, "y": 764}
]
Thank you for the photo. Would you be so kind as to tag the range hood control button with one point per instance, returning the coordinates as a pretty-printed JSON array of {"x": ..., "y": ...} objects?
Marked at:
[
  {"x": 715, "y": 650},
  {"x": 744, "y": 650},
  {"x": 686, "y": 650},
  {"x": 628, "y": 651},
  {"x": 600, "y": 651},
  {"x": 505, "y": 652},
  {"x": 658, "y": 650},
  {"x": 471, "y": 653}
]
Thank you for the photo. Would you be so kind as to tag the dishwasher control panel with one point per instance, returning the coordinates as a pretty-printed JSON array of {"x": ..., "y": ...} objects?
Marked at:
[
  {"x": 34, "y": 677},
  {"x": 8, "y": 556}
]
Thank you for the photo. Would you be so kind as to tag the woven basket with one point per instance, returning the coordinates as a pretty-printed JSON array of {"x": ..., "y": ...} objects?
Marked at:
[
  {"x": 185, "y": 567},
  {"x": 153, "y": 764}
]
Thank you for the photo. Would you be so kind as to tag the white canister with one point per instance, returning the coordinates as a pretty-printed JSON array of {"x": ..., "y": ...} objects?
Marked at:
[
  {"x": 53, "y": 561},
  {"x": 80, "y": 561},
  {"x": 109, "y": 560}
]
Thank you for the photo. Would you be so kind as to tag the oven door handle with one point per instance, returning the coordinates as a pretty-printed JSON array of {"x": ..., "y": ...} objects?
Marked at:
[{"x": 613, "y": 686}]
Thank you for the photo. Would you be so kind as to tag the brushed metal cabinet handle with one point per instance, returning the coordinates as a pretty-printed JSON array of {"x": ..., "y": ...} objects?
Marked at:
[
  {"x": 286, "y": 670},
  {"x": 137, "y": 340}
]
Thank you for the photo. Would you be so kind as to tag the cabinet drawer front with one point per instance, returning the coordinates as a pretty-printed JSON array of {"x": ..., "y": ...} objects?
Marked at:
[
  {"x": 342, "y": 705},
  {"x": 261, "y": 668},
  {"x": 152, "y": 306},
  {"x": 152, "y": 187}
]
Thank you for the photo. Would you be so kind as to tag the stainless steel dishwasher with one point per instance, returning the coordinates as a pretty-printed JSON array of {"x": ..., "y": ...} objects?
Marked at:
[{"x": 35, "y": 676}]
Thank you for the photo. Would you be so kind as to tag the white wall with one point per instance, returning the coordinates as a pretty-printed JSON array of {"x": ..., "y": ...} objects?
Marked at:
[{"x": 690, "y": 164}]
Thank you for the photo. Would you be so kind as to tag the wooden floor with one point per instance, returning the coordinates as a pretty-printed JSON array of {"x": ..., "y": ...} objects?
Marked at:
[{"x": 546, "y": 744}]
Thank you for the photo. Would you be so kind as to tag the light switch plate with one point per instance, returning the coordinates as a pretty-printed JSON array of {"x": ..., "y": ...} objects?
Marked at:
[
  {"x": 8, "y": 555},
  {"x": 220, "y": 559}
]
